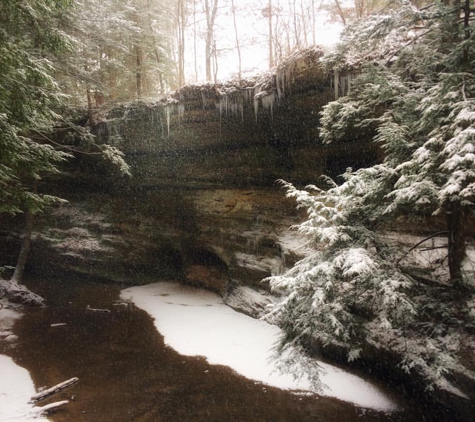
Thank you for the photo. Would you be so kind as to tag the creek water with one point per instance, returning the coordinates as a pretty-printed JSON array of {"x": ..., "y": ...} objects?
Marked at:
[{"x": 127, "y": 373}]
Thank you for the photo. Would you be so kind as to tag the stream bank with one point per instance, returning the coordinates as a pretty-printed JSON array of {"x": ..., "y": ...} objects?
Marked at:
[{"x": 127, "y": 373}]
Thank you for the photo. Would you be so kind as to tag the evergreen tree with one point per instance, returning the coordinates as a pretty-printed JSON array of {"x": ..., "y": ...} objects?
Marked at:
[
  {"x": 415, "y": 95},
  {"x": 32, "y": 45},
  {"x": 29, "y": 95}
]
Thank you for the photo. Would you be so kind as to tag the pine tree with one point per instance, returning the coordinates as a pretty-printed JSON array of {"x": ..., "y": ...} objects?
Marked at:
[
  {"x": 415, "y": 96},
  {"x": 32, "y": 46},
  {"x": 29, "y": 96}
]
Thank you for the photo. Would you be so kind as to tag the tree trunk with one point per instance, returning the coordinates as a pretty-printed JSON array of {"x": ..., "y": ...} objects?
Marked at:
[
  {"x": 26, "y": 242},
  {"x": 195, "y": 52},
  {"x": 238, "y": 47},
  {"x": 14, "y": 291},
  {"x": 181, "y": 23},
  {"x": 456, "y": 218},
  {"x": 138, "y": 69},
  {"x": 25, "y": 248},
  {"x": 340, "y": 12},
  {"x": 89, "y": 105},
  {"x": 210, "y": 19},
  {"x": 271, "y": 36},
  {"x": 313, "y": 22},
  {"x": 215, "y": 63}
]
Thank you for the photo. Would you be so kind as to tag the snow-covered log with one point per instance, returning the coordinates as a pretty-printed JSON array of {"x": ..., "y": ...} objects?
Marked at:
[
  {"x": 18, "y": 293},
  {"x": 48, "y": 408},
  {"x": 53, "y": 390}
]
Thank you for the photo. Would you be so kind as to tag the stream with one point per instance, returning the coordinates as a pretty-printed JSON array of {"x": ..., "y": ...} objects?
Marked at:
[{"x": 128, "y": 373}]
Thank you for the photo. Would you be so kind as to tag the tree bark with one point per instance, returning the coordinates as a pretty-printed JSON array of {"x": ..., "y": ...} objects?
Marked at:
[
  {"x": 195, "y": 37},
  {"x": 26, "y": 242},
  {"x": 271, "y": 37},
  {"x": 340, "y": 12},
  {"x": 456, "y": 218},
  {"x": 181, "y": 20},
  {"x": 90, "y": 105},
  {"x": 138, "y": 69},
  {"x": 210, "y": 11},
  {"x": 238, "y": 47}
]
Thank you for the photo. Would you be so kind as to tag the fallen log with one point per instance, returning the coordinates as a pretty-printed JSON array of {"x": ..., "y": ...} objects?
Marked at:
[
  {"x": 53, "y": 390},
  {"x": 39, "y": 410},
  {"x": 88, "y": 308}
]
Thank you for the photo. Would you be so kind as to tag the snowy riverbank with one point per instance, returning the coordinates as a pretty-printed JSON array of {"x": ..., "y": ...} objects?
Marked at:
[
  {"x": 198, "y": 323},
  {"x": 16, "y": 386}
]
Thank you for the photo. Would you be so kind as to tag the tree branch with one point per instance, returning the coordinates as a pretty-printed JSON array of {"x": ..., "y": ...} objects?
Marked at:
[{"x": 418, "y": 243}]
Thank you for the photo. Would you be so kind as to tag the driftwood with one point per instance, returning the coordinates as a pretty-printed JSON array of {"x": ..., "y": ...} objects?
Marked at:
[
  {"x": 53, "y": 390},
  {"x": 88, "y": 308},
  {"x": 39, "y": 410}
]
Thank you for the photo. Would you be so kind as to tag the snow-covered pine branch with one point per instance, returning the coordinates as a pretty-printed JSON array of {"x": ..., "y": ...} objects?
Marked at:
[{"x": 352, "y": 293}]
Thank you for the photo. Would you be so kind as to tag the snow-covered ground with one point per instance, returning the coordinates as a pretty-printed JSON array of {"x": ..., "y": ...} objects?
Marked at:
[
  {"x": 16, "y": 386},
  {"x": 196, "y": 322}
]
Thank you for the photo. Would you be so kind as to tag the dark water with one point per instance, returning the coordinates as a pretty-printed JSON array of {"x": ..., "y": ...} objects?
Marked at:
[{"x": 126, "y": 372}]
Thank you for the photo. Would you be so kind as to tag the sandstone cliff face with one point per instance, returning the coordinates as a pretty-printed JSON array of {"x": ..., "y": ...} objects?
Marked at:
[{"x": 202, "y": 204}]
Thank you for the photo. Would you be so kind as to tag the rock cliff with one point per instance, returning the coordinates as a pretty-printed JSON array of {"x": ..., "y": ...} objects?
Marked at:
[{"x": 203, "y": 203}]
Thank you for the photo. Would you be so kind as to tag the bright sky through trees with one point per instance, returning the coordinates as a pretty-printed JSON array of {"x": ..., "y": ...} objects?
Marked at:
[{"x": 253, "y": 34}]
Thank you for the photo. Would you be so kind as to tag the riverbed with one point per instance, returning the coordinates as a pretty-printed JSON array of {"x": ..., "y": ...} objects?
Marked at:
[{"x": 128, "y": 373}]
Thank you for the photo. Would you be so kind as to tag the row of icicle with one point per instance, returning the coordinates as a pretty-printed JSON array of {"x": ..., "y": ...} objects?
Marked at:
[{"x": 227, "y": 106}]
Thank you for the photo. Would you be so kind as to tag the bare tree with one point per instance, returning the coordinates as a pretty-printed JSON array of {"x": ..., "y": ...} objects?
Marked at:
[
  {"x": 195, "y": 41},
  {"x": 180, "y": 29},
  {"x": 211, "y": 8},
  {"x": 238, "y": 47},
  {"x": 340, "y": 11},
  {"x": 267, "y": 12}
]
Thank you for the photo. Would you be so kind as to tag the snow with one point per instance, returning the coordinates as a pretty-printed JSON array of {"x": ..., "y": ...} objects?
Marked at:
[
  {"x": 15, "y": 394},
  {"x": 249, "y": 301},
  {"x": 198, "y": 323},
  {"x": 259, "y": 263}
]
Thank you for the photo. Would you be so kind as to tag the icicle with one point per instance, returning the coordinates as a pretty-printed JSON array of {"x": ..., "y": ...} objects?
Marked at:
[
  {"x": 241, "y": 108},
  {"x": 233, "y": 108},
  {"x": 249, "y": 94},
  {"x": 256, "y": 107},
  {"x": 167, "y": 114},
  {"x": 268, "y": 103},
  {"x": 219, "y": 106},
  {"x": 203, "y": 99},
  {"x": 181, "y": 112},
  {"x": 281, "y": 83},
  {"x": 277, "y": 83}
]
